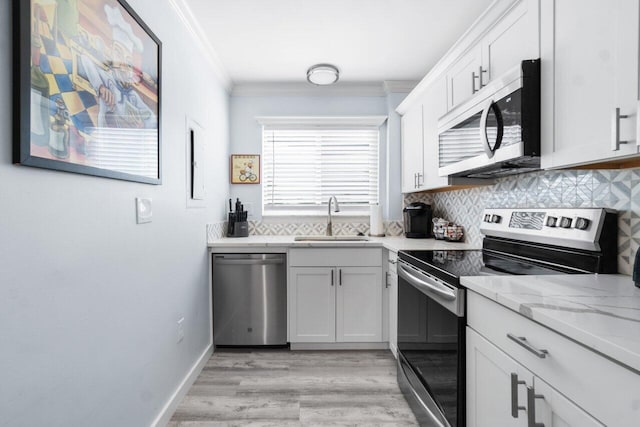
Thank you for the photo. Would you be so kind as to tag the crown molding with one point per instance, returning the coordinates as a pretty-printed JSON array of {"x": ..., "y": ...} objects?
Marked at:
[
  {"x": 186, "y": 16},
  {"x": 307, "y": 89},
  {"x": 399, "y": 86}
]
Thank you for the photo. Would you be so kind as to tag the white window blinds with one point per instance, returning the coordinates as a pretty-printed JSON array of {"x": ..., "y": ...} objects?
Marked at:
[{"x": 305, "y": 164}]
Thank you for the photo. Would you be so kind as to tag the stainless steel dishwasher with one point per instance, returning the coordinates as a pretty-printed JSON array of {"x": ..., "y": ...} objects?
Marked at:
[{"x": 249, "y": 299}]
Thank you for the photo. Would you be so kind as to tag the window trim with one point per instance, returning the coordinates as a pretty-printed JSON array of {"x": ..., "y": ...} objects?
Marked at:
[{"x": 319, "y": 121}]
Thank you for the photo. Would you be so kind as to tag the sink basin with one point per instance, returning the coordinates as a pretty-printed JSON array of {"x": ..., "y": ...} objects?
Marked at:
[{"x": 330, "y": 238}]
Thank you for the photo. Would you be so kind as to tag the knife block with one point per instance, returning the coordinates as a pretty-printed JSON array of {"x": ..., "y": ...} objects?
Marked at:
[
  {"x": 240, "y": 229},
  {"x": 237, "y": 228}
]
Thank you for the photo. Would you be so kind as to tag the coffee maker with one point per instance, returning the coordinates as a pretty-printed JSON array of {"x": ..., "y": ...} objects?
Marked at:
[{"x": 417, "y": 220}]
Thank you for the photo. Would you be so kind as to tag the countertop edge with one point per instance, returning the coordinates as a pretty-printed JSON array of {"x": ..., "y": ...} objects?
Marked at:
[{"x": 607, "y": 349}]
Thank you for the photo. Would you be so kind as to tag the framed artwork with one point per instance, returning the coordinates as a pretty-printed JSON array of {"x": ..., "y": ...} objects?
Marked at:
[
  {"x": 245, "y": 169},
  {"x": 86, "y": 89}
]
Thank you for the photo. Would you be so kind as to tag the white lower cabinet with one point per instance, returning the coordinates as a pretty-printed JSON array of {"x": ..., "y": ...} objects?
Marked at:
[
  {"x": 335, "y": 304},
  {"x": 489, "y": 390},
  {"x": 359, "y": 304},
  {"x": 559, "y": 383},
  {"x": 312, "y": 302},
  {"x": 391, "y": 286},
  {"x": 502, "y": 392},
  {"x": 554, "y": 410}
]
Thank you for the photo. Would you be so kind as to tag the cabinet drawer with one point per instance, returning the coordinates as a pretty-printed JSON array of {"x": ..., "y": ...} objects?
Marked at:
[
  {"x": 336, "y": 257},
  {"x": 606, "y": 390}
]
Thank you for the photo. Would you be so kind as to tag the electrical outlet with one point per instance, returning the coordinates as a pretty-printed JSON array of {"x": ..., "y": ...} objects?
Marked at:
[
  {"x": 180, "y": 329},
  {"x": 249, "y": 208}
]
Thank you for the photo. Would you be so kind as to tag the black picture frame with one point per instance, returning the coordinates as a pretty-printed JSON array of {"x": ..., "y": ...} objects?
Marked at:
[{"x": 147, "y": 87}]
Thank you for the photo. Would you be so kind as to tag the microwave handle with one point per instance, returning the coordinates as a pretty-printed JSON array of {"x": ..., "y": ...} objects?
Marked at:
[{"x": 491, "y": 105}]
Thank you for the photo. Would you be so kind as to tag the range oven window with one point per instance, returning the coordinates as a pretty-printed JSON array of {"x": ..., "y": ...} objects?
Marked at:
[{"x": 431, "y": 340}]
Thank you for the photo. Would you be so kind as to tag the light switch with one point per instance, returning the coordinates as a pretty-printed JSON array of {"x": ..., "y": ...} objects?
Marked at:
[{"x": 144, "y": 213}]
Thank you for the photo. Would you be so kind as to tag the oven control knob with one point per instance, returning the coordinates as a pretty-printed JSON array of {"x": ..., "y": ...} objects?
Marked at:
[
  {"x": 496, "y": 219},
  {"x": 582, "y": 223},
  {"x": 565, "y": 222},
  {"x": 487, "y": 218},
  {"x": 552, "y": 221}
]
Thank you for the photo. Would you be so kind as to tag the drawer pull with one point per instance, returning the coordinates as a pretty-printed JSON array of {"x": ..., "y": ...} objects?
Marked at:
[
  {"x": 393, "y": 261},
  {"x": 522, "y": 341},
  {"x": 531, "y": 407},
  {"x": 515, "y": 382}
]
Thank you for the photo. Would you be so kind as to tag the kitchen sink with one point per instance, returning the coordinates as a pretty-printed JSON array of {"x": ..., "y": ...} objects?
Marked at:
[{"x": 330, "y": 238}]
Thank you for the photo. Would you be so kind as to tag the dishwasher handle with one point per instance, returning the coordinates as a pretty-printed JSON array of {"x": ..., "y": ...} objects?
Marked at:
[{"x": 249, "y": 259}]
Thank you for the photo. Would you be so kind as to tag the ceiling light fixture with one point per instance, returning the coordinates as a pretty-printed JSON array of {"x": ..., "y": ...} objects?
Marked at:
[{"x": 323, "y": 74}]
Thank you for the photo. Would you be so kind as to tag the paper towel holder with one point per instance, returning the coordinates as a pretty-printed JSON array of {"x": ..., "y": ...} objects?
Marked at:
[{"x": 376, "y": 227}]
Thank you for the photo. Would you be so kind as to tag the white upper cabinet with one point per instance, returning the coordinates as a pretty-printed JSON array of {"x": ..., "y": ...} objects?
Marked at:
[
  {"x": 514, "y": 38},
  {"x": 463, "y": 78},
  {"x": 434, "y": 107},
  {"x": 589, "y": 71},
  {"x": 506, "y": 34},
  {"x": 412, "y": 142}
]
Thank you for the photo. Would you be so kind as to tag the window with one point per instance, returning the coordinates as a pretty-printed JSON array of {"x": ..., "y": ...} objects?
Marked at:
[{"x": 308, "y": 160}]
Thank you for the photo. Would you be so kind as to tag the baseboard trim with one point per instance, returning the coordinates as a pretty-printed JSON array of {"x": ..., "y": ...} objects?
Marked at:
[
  {"x": 170, "y": 407},
  {"x": 340, "y": 346}
]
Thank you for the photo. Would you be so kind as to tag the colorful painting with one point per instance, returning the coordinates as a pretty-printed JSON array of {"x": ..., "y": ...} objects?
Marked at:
[
  {"x": 245, "y": 169},
  {"x": 89, "y": 94}
]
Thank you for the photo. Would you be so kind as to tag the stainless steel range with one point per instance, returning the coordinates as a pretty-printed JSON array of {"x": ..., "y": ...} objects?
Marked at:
[{"x": 431, "y": 301}]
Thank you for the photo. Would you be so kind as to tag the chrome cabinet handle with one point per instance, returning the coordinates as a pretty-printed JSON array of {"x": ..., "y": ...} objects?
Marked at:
[
  {"x": 393, "y": 261},
  {"x": 522, "y": 341},
  {"x": 480, "y": 73},
  {"x": 478, "y": 77},
  {"x": 415, "y": 180},
  {"x": 420, "y": 176},
  {"x": 515, "y": 382},
  {"x": 340, "y": 277},
  {"x": 615, "y": 129},
  {"x": 386, "y": 282},
  {"x": 473, "y": 82},
  {"x": 531, "y": 407},
  {"x": 331, "y": 277}
]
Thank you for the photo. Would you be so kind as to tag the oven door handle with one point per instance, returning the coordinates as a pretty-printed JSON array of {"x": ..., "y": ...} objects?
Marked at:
[{"x": 425, "y": 284}]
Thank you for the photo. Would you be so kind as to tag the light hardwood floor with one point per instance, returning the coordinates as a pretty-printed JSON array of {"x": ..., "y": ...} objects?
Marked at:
[{"x": 281, "y": 388}]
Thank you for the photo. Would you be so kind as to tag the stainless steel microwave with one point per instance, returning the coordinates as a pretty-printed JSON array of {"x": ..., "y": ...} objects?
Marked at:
[{"x": 496, "y": 132}]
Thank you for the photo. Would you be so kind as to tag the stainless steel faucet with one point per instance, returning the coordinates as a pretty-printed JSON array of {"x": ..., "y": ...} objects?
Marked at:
[{"x": 337, "y": 209}]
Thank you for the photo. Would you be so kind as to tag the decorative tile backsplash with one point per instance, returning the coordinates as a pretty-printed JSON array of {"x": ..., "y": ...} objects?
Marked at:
[
  {"x": 616, "y": 189},
  {"x": 298, "y": 228},
  {"x": 216, "y": 230}
]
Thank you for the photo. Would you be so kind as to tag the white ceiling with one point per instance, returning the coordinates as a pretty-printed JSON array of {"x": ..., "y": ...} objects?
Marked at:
[{"x": 368, "y": 40}]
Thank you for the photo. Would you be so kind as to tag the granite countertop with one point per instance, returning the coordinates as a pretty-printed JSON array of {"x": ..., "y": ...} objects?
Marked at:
[
  {"x": 602, "y": 312},
  {"x": 395, "y": 243}
]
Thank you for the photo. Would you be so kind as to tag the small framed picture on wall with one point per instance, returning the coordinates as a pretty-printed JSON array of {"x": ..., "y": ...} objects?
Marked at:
[{"x": 245, "y": 169}]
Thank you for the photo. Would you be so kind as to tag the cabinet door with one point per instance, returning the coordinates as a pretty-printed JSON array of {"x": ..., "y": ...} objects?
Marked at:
[
  {"x": 511, "y": 40},
  {"x": 463, "y": 78},
  {"x": 312, "y": 303},
  {"x": 589, "y": 68},
  {"x": 411, "y": 128},
  {"x": 434, "y": 106},
  {"x": 489, "y": 385},
  {"x": 359, "y": 304},
  {"x": 392, "y": 288},
  {"x": 554, "y": 410}
]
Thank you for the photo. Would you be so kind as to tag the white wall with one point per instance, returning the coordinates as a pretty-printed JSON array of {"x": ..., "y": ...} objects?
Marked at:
[
  {"x": 246, "y": 135},
  {"x": 88, "y": 299}
]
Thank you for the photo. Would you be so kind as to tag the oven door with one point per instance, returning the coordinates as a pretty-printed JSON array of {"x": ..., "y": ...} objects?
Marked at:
[{"x": 431, "y": 340}]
